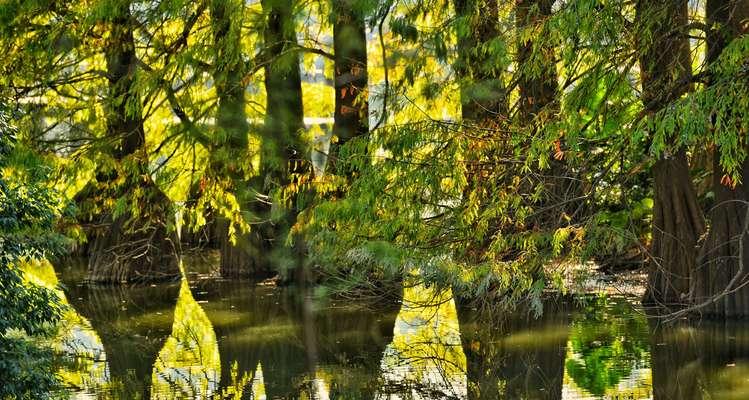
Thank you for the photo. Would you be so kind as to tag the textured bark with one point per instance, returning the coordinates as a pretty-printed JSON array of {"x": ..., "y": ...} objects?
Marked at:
[
  {"x": 665, "y": 66},
  {"x": 130, "y": 247},
  {"x": 351, "y": 118},
  {"x": 723, "y": 262}
]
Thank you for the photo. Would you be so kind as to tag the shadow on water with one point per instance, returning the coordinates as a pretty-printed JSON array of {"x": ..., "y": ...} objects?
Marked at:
[
  {"x": 133, "y": 323},
  {"x": 207, "y": 338},
  {"x": 516, "y": 355},
  {"x": 700, "y": 360}
]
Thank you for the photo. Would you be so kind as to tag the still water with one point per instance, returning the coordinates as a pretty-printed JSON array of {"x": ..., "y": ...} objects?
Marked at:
[{"x": 206, "y": 338}]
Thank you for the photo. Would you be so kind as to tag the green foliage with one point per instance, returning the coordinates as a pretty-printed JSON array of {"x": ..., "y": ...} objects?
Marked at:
[
  {"x": 28, "y": 210},
  {"x": 608, "y": 344}
]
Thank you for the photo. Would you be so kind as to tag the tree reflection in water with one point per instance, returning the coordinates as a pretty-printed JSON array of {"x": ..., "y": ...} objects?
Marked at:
[
  {"x": 188, "y": 366},
  {"x": 516, "y": 355},
  {"x": 700, "y": 360},
  {"x": 425, "y": 360},
  {"x": 234, "y": 340},
  {"x": 87, "y": 366}
]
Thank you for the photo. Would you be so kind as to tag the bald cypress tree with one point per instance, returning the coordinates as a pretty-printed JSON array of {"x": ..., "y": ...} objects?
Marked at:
[
  {"x": 665, "y": 68},
  {"x": 719, "y": 281},
  {"x": 133, "y": 241}
]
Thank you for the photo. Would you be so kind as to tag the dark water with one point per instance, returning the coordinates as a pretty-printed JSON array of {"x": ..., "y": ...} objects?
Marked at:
[{"x": 207, "y": 338}]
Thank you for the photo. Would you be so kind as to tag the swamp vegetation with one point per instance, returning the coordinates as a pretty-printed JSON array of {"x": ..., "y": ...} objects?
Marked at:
[{"x": 382, "y": 199}]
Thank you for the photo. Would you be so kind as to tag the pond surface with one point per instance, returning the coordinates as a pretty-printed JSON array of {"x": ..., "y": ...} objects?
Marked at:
[{"x": 205, "y": 338}]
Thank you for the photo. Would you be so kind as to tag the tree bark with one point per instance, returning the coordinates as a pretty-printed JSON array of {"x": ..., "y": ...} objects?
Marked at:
[
  {"x": 537, "y": 91},
  {"x": 130, "y": 247},
  {"x": 722, "y": 256},
  {"x": 351, "y": 118},
  {"x": 283, "y": 155},
  {"x": 665, "y": 66}
]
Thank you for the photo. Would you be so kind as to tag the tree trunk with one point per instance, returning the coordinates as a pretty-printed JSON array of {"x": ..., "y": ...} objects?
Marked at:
[
  {"x": 665, "y": 66},
  {"x": 243, "y": 258},
  {"x": 283, "y": 156},
  {"x": 130, "y": 247},
  {"x": 351, "y": 117},
  {"x": 537, "y": 91},
  {"x": 537, "y": 106},
  {"x": 722, "y": 257}
]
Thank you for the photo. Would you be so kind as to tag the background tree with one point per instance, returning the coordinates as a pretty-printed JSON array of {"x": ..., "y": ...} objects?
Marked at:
[
  {"x": 666, "y": 70},
  {"x": 351, "y": 117}
]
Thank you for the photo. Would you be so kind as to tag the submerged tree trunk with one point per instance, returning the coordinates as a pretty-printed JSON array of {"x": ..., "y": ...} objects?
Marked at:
[
  {"x": 351, "y": 117},
  {"x": 135, "y": 243},
  {"x": 665, "y": 66},
  {"x": 723, "y": 263}
]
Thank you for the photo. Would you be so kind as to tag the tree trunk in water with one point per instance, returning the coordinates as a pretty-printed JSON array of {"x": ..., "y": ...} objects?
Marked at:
[
  {"x": 240, "y": 259},
  {"x": 131, "y": 247},
  {"x": 723, "y": 263},
  {"x": 350, "y": 71},
  {"x": 665, "y": 66},
  {"x": 283, "y": 157}
]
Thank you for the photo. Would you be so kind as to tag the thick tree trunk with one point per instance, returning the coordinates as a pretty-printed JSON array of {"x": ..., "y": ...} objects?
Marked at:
[
  {"x": 283, "y": 155},
  {"x": 723, "y": 263},
  {"x": 351, "y": 117},
  {"x": 677, "y": 224},
  {"x": 243, "y": 258},
  {"x": 665, "y": 66},
  {"x": 281, "y": 147},
  {"x": 131, "y": 247}
]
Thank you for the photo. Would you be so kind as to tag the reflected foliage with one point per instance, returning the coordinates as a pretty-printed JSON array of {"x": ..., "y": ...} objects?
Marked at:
[
  {"x": 85, "y": 362},
  {"x": 608, "y": 346}
]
